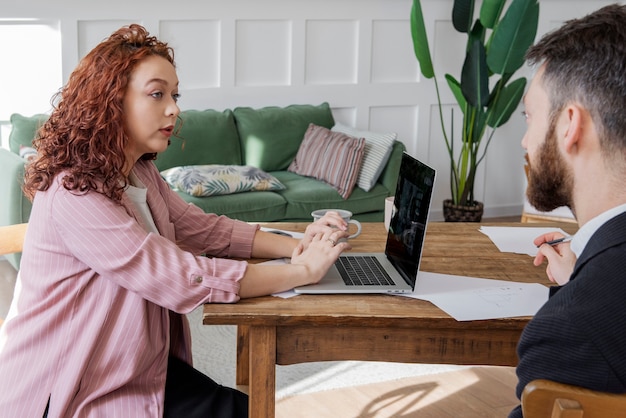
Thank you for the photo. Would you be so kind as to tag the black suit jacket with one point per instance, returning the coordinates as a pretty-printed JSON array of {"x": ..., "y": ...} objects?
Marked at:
[{"x": 579, "y": 336}]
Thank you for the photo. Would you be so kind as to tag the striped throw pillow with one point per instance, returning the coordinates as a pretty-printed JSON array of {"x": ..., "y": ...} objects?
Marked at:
[
  {"x": 332, "y": 157},
  {"x": 378, "y": 148}
]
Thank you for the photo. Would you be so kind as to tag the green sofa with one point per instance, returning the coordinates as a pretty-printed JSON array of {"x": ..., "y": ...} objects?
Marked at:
[{"x": 267, "y": 138}]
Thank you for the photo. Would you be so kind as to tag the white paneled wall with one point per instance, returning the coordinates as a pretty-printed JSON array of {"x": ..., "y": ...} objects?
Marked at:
[{"x": 355, "y": 54}]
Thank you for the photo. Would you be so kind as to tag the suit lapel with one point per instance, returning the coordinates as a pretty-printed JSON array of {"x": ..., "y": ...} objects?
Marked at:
[{"x": 610, "y": 234}]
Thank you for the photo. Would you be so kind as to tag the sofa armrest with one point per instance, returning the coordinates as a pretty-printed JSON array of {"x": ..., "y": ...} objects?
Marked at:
[
  {"x": 14, "y": 207},
  {"x": 389, "y": 176}
]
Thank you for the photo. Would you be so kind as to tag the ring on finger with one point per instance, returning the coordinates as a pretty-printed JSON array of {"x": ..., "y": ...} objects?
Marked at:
[{"x": 332, "y": 241}]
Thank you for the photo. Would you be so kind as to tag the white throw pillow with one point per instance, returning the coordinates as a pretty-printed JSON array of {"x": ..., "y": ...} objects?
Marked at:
[{"x": 378, "y": 148}]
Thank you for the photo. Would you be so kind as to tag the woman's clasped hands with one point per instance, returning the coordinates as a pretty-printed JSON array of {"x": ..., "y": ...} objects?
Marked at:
[{"x": 324, "y": 240}]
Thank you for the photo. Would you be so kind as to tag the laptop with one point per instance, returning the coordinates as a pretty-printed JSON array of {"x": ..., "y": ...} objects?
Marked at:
[{"x": 395, "y": 270}]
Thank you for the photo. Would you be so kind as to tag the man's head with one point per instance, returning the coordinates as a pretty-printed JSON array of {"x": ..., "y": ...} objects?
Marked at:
[
  {"x": 551, "y": 181},
  {"x": 581, "y": 63}
]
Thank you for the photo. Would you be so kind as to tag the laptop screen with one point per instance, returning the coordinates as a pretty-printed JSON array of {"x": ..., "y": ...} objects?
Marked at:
[{"x": 407, "y": 228}]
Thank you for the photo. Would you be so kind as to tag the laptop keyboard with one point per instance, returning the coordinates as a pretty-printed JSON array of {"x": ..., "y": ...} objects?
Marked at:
[{"x": 362, "y": 270}]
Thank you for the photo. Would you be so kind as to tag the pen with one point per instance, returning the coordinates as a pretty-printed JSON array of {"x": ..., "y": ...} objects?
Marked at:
[{"x": 557, "y": 241}]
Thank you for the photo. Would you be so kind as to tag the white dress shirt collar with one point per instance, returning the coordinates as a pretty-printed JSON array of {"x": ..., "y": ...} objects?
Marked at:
[{"x": 580, "y": 240}]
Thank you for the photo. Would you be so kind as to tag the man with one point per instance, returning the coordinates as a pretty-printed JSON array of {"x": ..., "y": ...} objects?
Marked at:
[{"x": 576, "y": 141}]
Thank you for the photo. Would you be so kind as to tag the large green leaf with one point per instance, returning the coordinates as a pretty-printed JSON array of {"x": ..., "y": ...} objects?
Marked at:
[
  {"x": 477, "y": 34},
  {"x": 455, "y": 88},
  {"x": 507, "y": 102},
  {"x": 420, "y": 40},
  {"x": 475, "y": 76},
  {"x": 463, "y": 15},
  {"x": 512, "y": 36},
  {"x": 490, "y": 12}
]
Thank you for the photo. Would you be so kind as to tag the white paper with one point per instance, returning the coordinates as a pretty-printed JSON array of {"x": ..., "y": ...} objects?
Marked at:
[
  {"x": 517, "y": 240},
  {"x": 470, "y": 298},
  {"x": 285, "y": 295},
  {"x": 297, "y": 235}
]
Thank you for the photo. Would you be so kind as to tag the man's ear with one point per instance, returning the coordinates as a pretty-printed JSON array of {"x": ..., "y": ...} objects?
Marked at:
[{"x": 572, "y": 118}]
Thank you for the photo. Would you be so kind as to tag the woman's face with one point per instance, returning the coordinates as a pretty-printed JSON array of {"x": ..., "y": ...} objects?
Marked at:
[{"x": 150, "y": 108}]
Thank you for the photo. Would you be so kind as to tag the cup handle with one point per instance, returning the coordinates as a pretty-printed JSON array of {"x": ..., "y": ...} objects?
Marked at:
[{"x": 358, "y": 226}]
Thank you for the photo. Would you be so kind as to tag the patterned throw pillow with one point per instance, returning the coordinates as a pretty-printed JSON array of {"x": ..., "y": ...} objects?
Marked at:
[
  {"x": 378, "y": 147},
  {"x": 211, "y": 180},
  {"x": 332, "y": 157}
]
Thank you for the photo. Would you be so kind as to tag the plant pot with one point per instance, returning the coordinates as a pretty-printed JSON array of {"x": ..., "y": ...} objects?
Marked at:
[{"x": 461, "y": 213}]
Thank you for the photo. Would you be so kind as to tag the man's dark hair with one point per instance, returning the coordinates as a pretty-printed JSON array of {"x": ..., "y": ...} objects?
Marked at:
[{"x": 585, "y": 62}]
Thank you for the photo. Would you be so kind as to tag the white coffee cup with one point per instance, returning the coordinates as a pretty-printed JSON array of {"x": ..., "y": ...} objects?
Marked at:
[
  {"x": 345, "y": 215},
  {"x": 389, "y": 211}
]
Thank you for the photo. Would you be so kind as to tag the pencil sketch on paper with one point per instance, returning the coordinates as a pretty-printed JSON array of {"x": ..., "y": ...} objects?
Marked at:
[{"x": 499, "y": 296}]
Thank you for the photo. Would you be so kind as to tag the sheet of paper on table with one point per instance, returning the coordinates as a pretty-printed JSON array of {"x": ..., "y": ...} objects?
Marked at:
[
  {"x": 470, "y": 298},
  {"x": 516, "y": 239}
]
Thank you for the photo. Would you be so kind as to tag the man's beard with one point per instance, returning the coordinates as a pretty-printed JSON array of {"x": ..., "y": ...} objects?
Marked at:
[{"x": 550, "y": 182}]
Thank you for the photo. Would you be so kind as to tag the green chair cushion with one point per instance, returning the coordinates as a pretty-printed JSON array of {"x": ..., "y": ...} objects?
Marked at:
[
  {"x": 271, "y": 136},
  {"x": 23, "y": 130}
]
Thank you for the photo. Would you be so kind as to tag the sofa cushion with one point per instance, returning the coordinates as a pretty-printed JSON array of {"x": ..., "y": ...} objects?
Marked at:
[
  {"x": 271, "y": 136},
  {"x": 305, "y": 194},
  {"x": 378, "y": 148},
  {"x": 249, "y": 207},
  {"x": 332, "y": 157},
  {"x": 23, "y": 130},
  {"x": 214, "y": 179},
  {"x": 204, "y": 137}
]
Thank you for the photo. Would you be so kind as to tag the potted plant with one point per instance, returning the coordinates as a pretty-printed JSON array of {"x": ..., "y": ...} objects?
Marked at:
[{"x": 497, "y": 41}]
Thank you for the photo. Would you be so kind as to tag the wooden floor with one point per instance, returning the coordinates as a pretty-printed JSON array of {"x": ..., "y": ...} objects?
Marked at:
[{"x": 474, "y": 392}]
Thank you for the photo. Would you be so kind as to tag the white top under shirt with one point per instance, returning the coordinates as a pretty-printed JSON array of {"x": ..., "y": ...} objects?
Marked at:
[{"x": 136, "y": 191}]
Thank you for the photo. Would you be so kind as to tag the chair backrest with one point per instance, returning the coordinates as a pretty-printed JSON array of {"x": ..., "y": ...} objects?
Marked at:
[
  {"x": 547, "y": 399},
  {"x": 12, "y": 240}
]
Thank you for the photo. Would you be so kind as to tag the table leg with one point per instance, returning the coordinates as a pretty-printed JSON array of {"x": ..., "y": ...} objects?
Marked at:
[
  {"x": 262, "y": 372},
  {"x": 243, "y": 355}
]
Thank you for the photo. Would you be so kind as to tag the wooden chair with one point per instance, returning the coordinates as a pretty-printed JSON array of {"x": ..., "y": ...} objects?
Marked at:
[
  {"x": 548, "y": 399},
  {"x": 12, "y": 240}
]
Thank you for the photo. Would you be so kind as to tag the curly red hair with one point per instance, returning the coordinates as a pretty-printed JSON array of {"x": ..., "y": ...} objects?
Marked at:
[{"x": 84, "y": 136}]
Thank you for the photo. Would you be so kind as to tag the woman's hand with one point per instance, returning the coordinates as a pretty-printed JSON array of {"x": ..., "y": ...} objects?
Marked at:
[
  {"x": 329, "y": 223},
  {"x": 311, "y": 257},
  {"x": 322, "y": 251},
  {"x": 560, "y": 257}
]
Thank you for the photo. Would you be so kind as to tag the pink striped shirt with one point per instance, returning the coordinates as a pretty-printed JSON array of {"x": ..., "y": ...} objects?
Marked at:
[{"x": 100, "y": 301}]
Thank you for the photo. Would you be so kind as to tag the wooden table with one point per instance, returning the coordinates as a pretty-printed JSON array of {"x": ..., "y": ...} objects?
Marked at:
[{"x": 378, "y": 327}]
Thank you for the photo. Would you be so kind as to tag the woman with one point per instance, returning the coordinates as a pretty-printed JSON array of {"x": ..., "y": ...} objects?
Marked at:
[{"x": 113, "y": 258}]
